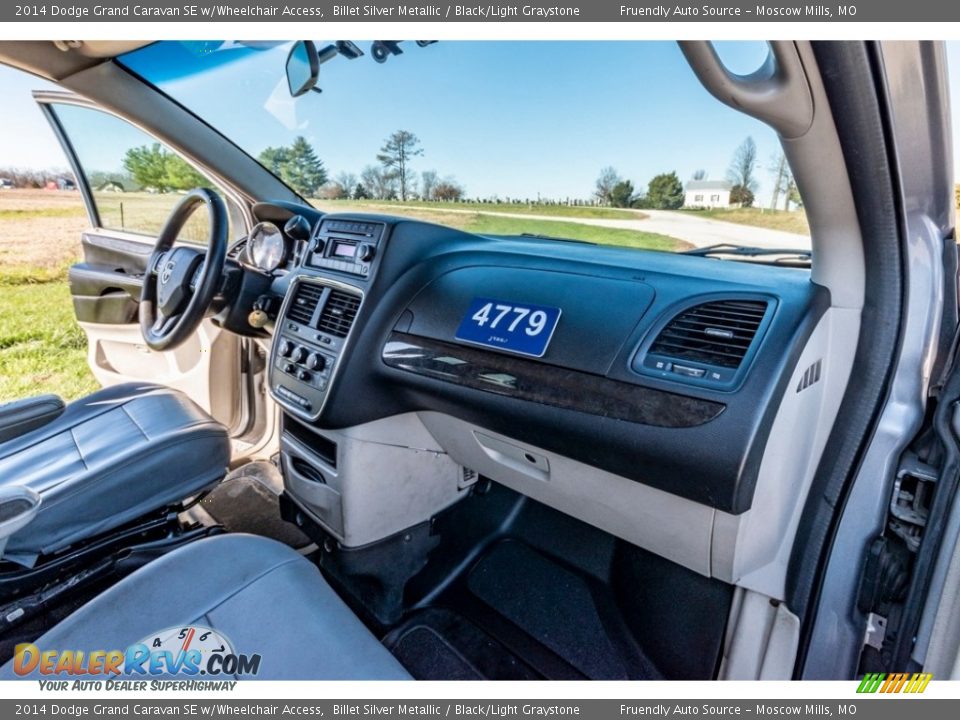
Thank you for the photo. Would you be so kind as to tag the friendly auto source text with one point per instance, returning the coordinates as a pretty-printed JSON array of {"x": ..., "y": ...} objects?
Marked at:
[{"x": 720, "y": 11}]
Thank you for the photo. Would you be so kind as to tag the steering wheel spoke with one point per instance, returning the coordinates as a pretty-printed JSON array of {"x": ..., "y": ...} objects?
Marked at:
[
  {"x": 157, "y": 261},
  {"x": 161, "y": 326},
  {"x": 197, "y": 276}
]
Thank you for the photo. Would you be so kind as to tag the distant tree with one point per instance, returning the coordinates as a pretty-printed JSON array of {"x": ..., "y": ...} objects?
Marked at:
[
  {"x": 793, "y": 194},
  {"x": 181, "y": 175},
  {"x": 428, "y": 184},
  {"x": 304, "y": 171},
  {"x": 622, "y": 194},
  {"x": 700, "y": 174},
  {"x": 608, "y": 180},
  {"x": 346, "y": 181},
  {"x": 297, "y": 165},
  {"x": 395, "y": 156},
  {"x": 274, "y": 158},
  {"x": 148, "y": 166},
  {"x": 743, "y": 168},
  {"x": 332, "y": 191},
  {"x": 742, "y": 196},
  {"x": 360, "y": 192},
  {"x": 665, "y": 192},
  {"x": 378, "y": 183},
  {"x": 448, "y": 190}
]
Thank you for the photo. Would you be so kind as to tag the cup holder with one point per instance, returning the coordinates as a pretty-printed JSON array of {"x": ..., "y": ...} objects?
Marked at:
[{"x": 18, "y": 506}]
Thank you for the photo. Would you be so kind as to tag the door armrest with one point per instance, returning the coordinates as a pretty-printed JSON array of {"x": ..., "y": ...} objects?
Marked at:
[{"x": 21, "y": 416}]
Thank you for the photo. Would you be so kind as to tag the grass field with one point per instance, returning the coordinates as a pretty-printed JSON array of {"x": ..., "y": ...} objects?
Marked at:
[
  {"x": 464, "y": 216},
  {"x": 399, "y": 206},
  {"x": 794, "y": 222},
  {"x": 497, "y": 225},
  {"x": 42, "y": 350}
]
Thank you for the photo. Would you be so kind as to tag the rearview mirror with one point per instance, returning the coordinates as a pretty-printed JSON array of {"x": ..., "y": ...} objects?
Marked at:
[{"x": 303, "y": 67}]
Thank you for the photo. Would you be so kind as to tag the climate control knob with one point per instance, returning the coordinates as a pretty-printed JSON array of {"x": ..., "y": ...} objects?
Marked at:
[
  {"x": 316, "y": 361},
  {"x": 286, "y": 348},
  {"x": 298, "y": 354}
]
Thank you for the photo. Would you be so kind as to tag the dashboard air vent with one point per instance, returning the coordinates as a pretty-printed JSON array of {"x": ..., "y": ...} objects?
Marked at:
[
  {"x": 338, "y": 313},
  {"x": 305, "y": 303},
  {"x": 715, "y": 333}
]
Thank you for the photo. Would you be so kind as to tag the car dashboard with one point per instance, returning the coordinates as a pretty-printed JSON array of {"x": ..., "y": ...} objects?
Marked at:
[{"x": 661, "y": 368}]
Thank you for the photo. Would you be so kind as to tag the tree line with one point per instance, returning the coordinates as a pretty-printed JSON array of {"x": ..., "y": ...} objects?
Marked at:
[
  {"x": 666, "y": 192},
  {"x": 33, "y": 179},
  {"x": 391, "y": 178}
]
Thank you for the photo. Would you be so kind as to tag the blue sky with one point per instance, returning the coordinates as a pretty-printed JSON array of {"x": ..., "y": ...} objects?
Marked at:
[{"x": 513, "y": 119}]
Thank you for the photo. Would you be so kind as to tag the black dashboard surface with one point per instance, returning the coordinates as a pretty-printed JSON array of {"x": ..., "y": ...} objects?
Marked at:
[{"x": 585, "y": 398}]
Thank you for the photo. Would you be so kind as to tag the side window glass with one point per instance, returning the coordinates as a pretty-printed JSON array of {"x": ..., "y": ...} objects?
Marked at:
[{"x": 135, "y": 181}]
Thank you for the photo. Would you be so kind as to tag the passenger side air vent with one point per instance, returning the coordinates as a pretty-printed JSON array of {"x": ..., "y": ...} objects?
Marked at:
[
  {"x": 338, "y": 314},
  {"x": 304, "y": 303},
  {"x": 714, "y": 333}
]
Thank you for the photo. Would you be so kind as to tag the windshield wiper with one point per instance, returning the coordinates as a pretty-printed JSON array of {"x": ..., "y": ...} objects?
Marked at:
[{"x": 783, "y": 256}]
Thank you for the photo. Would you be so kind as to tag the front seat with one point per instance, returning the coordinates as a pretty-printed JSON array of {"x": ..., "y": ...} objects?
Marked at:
[
  {"x": 259, "y": 595},
  {"x": 107, "y": 459}
]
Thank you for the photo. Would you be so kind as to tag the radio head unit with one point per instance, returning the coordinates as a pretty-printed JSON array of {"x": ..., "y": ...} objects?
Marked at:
[{"x": 347, "y": 246}]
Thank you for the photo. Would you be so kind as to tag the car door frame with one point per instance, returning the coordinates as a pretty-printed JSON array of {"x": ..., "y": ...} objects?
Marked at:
[{"x": 242, "y": 415}]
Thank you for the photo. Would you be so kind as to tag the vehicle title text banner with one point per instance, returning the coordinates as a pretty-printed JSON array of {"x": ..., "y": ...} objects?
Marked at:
[
  {"x": 565, "y": 11},
  {"x": 861, "y": 709}
]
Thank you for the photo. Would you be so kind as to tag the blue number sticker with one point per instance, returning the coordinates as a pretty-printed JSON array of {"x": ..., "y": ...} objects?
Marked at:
[{"x": 519, "y": 328}]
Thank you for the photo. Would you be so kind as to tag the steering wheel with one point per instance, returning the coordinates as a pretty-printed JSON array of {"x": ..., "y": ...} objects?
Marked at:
[{"x": 180, "y": 282}]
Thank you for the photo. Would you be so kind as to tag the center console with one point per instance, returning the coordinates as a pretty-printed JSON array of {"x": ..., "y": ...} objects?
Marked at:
[{"x": 319, "y": 311}]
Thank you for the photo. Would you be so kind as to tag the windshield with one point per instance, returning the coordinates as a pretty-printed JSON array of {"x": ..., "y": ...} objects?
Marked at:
[{"x": 605, "y": 142}]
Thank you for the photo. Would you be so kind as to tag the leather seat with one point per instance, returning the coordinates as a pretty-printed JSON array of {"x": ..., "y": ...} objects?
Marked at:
[
  {"x": 261, "y": 596},
  {"x": 110, "y": 458}
]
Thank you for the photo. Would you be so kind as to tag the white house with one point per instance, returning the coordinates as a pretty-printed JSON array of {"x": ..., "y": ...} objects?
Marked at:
[{"x": 707, "y": 194}]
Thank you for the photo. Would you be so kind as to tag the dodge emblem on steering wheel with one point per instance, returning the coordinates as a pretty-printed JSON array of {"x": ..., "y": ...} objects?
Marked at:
[{"x": 167, "y": 272}]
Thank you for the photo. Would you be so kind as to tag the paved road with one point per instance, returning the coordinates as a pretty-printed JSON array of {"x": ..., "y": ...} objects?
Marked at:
[
  {"x": 695, "y": 230},
  {"x": 703, "y": 231}
]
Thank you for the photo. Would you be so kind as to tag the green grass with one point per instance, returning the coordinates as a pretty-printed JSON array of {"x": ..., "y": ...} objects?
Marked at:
[
  {"x": 42, "y": 349},
  {"x": 496, "y": 225},
  {"x": 15, "y": 275},
  {"x": 47, "y": 212},
  {"x": 793, "y": 221},
  {"x": 566, "y": 211}
]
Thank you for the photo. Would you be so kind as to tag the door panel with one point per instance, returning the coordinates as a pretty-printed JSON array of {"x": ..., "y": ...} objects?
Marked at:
[{"x": 105, "y": 285}]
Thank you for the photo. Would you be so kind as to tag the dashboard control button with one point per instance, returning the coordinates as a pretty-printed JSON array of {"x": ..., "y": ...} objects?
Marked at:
[
  {"x": 688, "y": 371},
  {"x": 298, "y": 354},
  {"x": 289, "y": 368},
  {"x": 286, "y": 348},
  {"x": 316, "y": 361},
  {"x": 366, "y": 251},
  {"x": 304, "y": 375}
]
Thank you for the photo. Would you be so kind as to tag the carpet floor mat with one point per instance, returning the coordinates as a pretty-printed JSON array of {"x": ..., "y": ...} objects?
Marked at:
[
  {"x": 517, "y": 614},
  {"x": 246, "y": 501}
]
